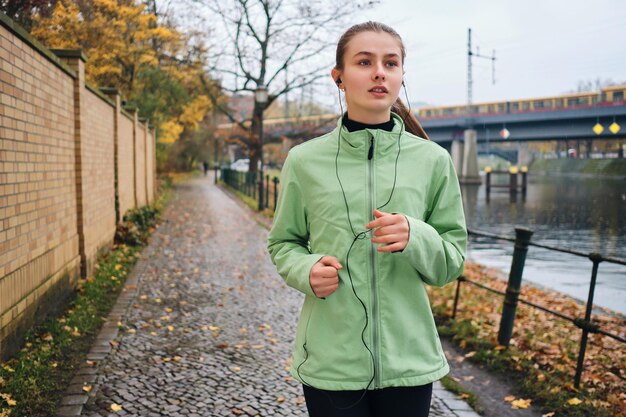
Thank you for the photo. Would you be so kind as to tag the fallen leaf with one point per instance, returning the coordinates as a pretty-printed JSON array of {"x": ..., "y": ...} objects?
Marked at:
[
  {"x": 170, "y": 328},
  {"x": 509, "y": 398},
  {"x": 222, "y": 345},
  {"x": 280, "y": 399},
  {"x": 116, "y": 407},
  {"x": 470, "y": 354},
  {"x": 464, "y": 396},
  {"x": 521, "y": 403},
  {"x": 548, "y": 414},
  {"x": 574, "y": 401},
  {"x": 87, "y": 388},
  {"x": 114, "y": 343},
  {"x": 168, "y": 310}
]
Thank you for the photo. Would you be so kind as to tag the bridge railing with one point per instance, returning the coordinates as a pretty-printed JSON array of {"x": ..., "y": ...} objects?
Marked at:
[{"x": 511, "y": 295}]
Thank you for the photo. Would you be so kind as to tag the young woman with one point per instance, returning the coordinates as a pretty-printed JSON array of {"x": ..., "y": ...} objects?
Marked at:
[{"x": 367, "y": 215}]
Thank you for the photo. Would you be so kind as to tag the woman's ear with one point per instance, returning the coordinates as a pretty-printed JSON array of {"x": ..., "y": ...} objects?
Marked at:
[{"x": 336, "y": 74}]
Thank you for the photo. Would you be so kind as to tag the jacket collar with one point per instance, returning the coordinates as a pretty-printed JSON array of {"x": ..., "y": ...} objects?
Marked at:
[{"x": 358, "y": 142}]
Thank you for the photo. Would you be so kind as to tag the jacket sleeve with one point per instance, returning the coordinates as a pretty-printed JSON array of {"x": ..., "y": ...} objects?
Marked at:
[
  {"x": 288, "y": 240},
  {"x": 436, "y": 246}
]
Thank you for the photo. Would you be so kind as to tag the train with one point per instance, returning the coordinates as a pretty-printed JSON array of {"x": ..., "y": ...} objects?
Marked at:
[{"x": 608, "y": 96}]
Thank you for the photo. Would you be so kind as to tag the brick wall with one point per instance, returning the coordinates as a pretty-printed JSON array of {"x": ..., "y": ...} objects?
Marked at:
[{"x": 57, "y": 178}]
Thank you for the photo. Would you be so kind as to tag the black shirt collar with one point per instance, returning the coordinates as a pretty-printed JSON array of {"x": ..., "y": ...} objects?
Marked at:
[{"x": 353, "y": 126}]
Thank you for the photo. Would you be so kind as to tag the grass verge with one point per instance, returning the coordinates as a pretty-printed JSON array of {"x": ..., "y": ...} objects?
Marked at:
[{"x": 34, "y": 380}]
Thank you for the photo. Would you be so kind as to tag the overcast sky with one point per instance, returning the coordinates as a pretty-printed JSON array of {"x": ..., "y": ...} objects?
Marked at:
[{"x": 543, "y": 47}]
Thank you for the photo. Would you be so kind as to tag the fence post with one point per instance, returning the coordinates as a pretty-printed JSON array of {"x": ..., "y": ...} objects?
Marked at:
[
  {"x": 456, "y": 295},
  {"x": 586, "y": 325},
  {"x": 522, "y": 239},
  {"x": 267, "y": 190},
  {"x": 215, "y": 178},
  {"x": 275, "y": 191}
]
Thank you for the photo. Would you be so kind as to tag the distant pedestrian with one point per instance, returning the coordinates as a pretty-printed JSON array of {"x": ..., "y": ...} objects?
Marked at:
[
  {"x": 205, "y": 166},
  {"x": 366, "y": 342}
]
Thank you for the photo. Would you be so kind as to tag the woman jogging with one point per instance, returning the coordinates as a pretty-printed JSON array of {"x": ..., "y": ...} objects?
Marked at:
[{"x": 367, "y": 215}]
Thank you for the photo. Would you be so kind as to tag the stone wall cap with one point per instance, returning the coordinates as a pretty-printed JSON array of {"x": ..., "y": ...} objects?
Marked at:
[{"x": 69, "y": 53}]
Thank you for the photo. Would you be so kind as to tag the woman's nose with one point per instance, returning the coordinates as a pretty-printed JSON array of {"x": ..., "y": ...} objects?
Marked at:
[{"x": 379, "y": 73}]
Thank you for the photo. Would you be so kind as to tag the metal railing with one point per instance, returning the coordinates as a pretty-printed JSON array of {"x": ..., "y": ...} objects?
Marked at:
[
  {"x": 248, "y": 184},
  {"x": 511, "y": 295}
]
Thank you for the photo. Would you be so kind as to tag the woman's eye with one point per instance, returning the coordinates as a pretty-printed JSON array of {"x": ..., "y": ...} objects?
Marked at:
[
  {"x": 364, "y": 62},
  {"x": 392, "y": 64}
]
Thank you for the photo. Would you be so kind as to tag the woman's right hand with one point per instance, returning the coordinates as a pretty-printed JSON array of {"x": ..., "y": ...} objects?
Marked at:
[{"x": 324, "y": 277}]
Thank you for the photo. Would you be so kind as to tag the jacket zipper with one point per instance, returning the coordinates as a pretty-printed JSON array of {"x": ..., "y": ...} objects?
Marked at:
[{"x": 375, "y": 329}]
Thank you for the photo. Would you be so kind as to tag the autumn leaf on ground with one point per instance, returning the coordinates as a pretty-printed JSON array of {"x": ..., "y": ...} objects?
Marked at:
[
  {"x": 509, "y": 398},
  {"x": 574, "y": 401},
  {"x": 116, "y": 407},
  {"x": 470, "y": 354},
  {"x": 170, "y": 328},
  {"x": 521, "y": 403},
  {"x": 548, "y": 414},
  {"x": 87, "y": 388},
  {"x": 280, "y": 399}
]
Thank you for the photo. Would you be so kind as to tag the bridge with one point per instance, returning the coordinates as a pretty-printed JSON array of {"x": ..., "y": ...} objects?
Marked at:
[{"x": 565, "y": 118}]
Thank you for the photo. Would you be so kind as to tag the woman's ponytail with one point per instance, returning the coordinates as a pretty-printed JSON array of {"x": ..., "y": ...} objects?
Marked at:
[{"x": 410, "y": 121}]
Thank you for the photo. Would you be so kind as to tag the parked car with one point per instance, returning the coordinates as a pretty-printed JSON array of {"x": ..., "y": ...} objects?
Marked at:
[{"x": 241, "y": 165}]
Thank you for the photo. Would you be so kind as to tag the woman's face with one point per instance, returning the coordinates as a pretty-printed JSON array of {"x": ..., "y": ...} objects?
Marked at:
[{"x": 372, "y": 76}]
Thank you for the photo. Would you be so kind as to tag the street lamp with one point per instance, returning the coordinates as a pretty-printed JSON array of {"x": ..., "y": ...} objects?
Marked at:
[{"x": 260, "y": 98}]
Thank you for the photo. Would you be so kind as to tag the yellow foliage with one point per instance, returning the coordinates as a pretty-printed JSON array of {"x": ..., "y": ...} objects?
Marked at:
[
  {"x": 194, "y": 112},
  {"x": 170, "y": 132},
  {"x": 117, "y": 38}
]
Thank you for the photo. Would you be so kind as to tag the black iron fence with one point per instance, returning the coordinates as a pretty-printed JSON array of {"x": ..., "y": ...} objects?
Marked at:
[
  {"x": 248, "y": 184},
  {"x": 511, "y": 295}
]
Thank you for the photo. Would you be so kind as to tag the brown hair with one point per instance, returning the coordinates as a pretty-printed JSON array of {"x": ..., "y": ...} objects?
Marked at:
[{"x": 410, "y": 121}]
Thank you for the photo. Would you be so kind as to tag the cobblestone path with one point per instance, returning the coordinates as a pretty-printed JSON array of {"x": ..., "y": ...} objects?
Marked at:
[{"x": 210, "y": 330}]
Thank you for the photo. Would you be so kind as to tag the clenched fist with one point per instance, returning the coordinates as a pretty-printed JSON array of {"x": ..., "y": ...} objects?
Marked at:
[{"x": 323, "y": 277}]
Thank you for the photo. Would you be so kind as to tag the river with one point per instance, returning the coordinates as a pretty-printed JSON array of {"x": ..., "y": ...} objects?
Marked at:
[{"x": 580, "y": 213}]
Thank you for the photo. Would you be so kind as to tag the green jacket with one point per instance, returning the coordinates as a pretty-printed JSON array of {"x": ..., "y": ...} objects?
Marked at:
[{"x": 311, "y": 221}]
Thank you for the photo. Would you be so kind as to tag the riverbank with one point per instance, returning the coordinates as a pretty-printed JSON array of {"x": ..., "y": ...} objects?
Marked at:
[
  {"x": 541, "y": 359},
  {"x": 580, "y": 167}
]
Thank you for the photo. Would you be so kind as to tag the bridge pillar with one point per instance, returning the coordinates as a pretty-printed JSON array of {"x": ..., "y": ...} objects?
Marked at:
[
  {"x": 456, "y": 152},
  {"x": 470, "y": 159},
  {"x": 524, "y": 158}
]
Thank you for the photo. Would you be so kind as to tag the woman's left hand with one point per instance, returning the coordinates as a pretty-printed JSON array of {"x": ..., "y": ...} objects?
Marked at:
[{"x": 391, "y": 229}]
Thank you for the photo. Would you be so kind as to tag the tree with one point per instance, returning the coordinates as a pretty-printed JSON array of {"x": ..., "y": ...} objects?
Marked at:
[
  {"x": 157, "y": 68},
  {"x": 23, "y": 11},
  {"x": 273, "y": 43}
]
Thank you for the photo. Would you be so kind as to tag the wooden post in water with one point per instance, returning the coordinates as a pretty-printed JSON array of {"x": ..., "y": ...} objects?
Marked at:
[{"x": 513, "y": 179}]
